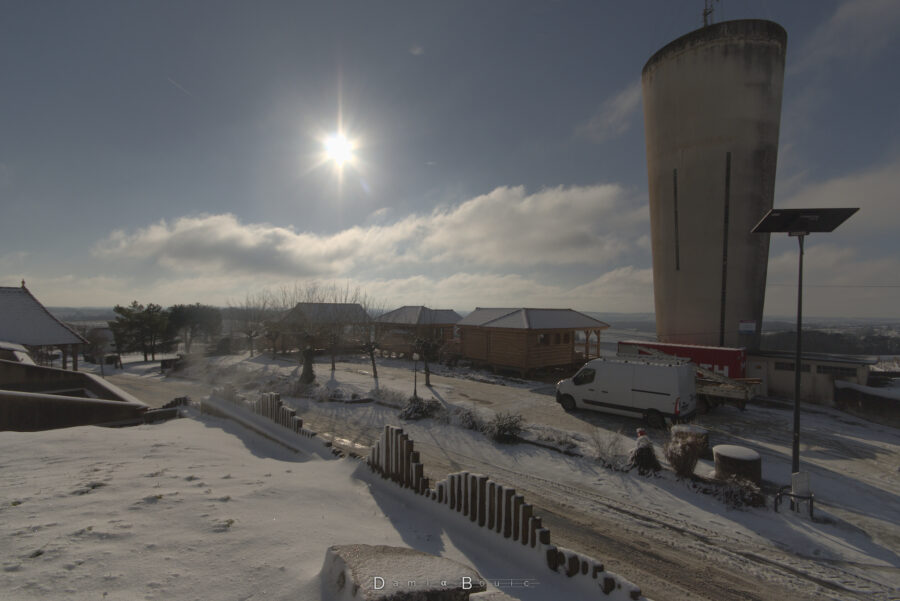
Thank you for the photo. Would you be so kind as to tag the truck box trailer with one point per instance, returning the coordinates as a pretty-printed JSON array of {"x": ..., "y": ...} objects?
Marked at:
[{"x": 725, "y": 361}]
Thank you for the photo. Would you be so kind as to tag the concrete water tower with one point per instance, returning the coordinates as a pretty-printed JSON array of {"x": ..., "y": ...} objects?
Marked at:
[{"x": 712, "y": 109}]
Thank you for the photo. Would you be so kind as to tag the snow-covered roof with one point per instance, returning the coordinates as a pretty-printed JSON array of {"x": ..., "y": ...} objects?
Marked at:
[
  {"x": 531, "y": 319},
  {"x": 419, "y": 315},
  {"x": 24, "y": 320},
  {"x": 329, "y": 313},
  {"x": 828, "y": 357}
]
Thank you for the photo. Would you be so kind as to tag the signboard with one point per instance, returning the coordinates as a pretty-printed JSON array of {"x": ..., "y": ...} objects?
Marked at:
[{"x": 747, "y": 326}]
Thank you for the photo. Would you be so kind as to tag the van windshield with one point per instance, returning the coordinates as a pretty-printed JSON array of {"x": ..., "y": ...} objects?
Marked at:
[{"x": 585, "y": 376}]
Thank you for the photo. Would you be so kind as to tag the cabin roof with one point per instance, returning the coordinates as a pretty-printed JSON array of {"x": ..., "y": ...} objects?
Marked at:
[
  {"x": 531, "y": 319},
  {"x": 24, "y": 320}
]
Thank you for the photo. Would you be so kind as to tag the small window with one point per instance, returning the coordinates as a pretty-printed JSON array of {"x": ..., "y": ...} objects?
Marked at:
[
  {"x": 789, "y": 366},
  {"x": 566, "y": 338},
  {"x": 585, "y": 376},
  {"x": 836, "y": 370},
  {"x": 557, "y": 338},
  {"x": 543, "y": 339}
]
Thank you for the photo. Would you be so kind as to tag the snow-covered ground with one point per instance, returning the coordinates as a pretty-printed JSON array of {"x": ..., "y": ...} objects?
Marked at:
[
  {"x": 850, "y": 550},
  {"x": 200, "y": 508}
]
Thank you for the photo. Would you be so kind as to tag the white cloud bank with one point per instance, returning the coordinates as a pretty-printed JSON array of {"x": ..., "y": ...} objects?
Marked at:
[
  {"x": 507, "y": 227},
  {"x": 500, "y": 248}
]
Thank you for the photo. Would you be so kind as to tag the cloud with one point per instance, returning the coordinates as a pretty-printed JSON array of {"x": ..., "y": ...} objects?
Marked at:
[
  {"x": 556, "y": 226},
  {"x": 416, "y": 50},
  {"x": 626, "y": 289},
  {"x": 873, "y": 190},
  {"x": 613, "y": 118},
  {"x": 505, "y": 229},
  {"x": 838, "y": 281},
  {"x": 220, "y": 243},
  {"x": 857, "y": 30}
]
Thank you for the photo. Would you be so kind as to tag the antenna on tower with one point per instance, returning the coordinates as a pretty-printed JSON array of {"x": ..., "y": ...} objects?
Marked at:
[{"x": 708, "y": 11}]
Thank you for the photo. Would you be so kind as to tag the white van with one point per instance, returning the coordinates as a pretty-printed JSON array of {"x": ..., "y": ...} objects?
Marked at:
[{"x": 653, "y": 390}]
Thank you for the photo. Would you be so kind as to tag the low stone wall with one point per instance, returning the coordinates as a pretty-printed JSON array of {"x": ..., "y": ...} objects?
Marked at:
[
  {"x": 269, "y": 408},
  {"x": 40, "y": 379},
  {"x": 31, "y": 412},
  {"x": 493, "y": 507}
]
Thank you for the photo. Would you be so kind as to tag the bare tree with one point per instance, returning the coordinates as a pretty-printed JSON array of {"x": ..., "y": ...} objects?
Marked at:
[
  {"x": 371, "y": 342},
  {"x": 250, "y": 315}
]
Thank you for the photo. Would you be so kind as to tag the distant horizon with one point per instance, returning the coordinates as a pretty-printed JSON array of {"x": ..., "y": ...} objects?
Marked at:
[{"x": 636, "y": 316}]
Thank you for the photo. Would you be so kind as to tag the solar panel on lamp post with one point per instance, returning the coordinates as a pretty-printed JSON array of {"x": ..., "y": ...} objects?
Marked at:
[{"x": 800, "y": 223}]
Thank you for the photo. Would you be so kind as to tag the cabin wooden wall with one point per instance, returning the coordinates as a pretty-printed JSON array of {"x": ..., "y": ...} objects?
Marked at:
[
  {"x": 474, "y": 343},
  {"x": 552, "y": 353},
  {"x": 508, "y": 348}
]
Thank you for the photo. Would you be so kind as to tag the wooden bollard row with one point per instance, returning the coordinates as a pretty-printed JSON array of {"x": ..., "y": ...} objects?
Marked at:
[
  {"x": 486, "y": 503},
  {"x": 269, "y": 405},
  {"x": 492, "y": 506},
  {"x": 395, "y": 458}
]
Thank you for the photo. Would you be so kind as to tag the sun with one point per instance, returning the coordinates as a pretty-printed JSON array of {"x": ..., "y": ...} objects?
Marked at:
[{"x": 338, "y": 149}]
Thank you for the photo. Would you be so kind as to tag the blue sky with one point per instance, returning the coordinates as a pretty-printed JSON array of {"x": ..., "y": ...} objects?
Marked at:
[{"x": 172, "y": 151}]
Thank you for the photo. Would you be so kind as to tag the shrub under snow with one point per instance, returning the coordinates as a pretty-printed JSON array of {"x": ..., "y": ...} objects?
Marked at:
[{"x": 505, "y": 427}]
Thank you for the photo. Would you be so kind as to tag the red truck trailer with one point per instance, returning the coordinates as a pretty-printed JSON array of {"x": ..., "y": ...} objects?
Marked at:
[{"x": 725, "y": 361}]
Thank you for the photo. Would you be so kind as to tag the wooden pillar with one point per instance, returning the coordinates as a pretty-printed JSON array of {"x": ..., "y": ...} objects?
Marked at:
[
  {"x": 74, "y": 348},
  {"x": 65, "y": 357}
]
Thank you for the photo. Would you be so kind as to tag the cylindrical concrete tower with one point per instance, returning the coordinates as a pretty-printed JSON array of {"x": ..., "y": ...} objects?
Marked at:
[{"x": 712, "y": 109}]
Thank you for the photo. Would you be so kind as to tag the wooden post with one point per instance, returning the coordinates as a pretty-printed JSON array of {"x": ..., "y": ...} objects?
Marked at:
[
  {"x": 518, "y": 501},
  {"x": 508, "y": 494},
  {"x": 465, "y": 493},
  {"x": 492, "y": 505},
  {"x": 525, "y": 527}
]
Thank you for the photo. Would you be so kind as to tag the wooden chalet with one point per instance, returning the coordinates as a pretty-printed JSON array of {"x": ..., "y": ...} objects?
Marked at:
[
  {"x": 527, "y": 340},
  {"x": 398, "y": 330},
  {"x": 25, "y": 321}
]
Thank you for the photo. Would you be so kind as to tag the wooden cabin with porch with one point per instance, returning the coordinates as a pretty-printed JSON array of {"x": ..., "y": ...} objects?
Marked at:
[
  {"x": 25, "y": 321},
  {"x": 527, "y": 340},
  {"x": 397, "y": 331}
]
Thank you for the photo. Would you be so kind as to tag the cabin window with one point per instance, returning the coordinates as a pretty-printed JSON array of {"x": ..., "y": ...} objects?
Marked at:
[
  {"x": 566, "y": 338},
  {"x": 543, "y": 339},
  {"x": 557, "y": 338},
  {"x": 585, "y": 376}
]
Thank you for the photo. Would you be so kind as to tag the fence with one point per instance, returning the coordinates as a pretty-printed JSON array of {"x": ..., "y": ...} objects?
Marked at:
[{"x": 488, "y": 505}]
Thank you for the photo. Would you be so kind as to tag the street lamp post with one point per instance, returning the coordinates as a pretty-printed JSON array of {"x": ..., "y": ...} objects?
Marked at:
[{"x": 800, "y": 223}]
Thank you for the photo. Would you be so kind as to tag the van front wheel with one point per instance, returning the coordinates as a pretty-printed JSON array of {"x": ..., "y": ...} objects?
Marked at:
[
  {"x": 567, "y": 402},
  {"x": 655, "y": 419}
]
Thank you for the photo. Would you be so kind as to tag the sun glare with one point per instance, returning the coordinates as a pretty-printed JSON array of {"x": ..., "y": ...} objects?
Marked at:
[{"x": 338, "y": 149}]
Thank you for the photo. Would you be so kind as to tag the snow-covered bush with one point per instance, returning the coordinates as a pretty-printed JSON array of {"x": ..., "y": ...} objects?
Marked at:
[
  {"x": 737, "y": 493},
  {"x": 561, "y": 440},
  {"x": 609, "y": 449},
  {"x": 418, "y": 408},
  {"x": 466, "y": 418},
  {"x": 505, "y": 427},
  {"x": 683, "y": 452}
]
